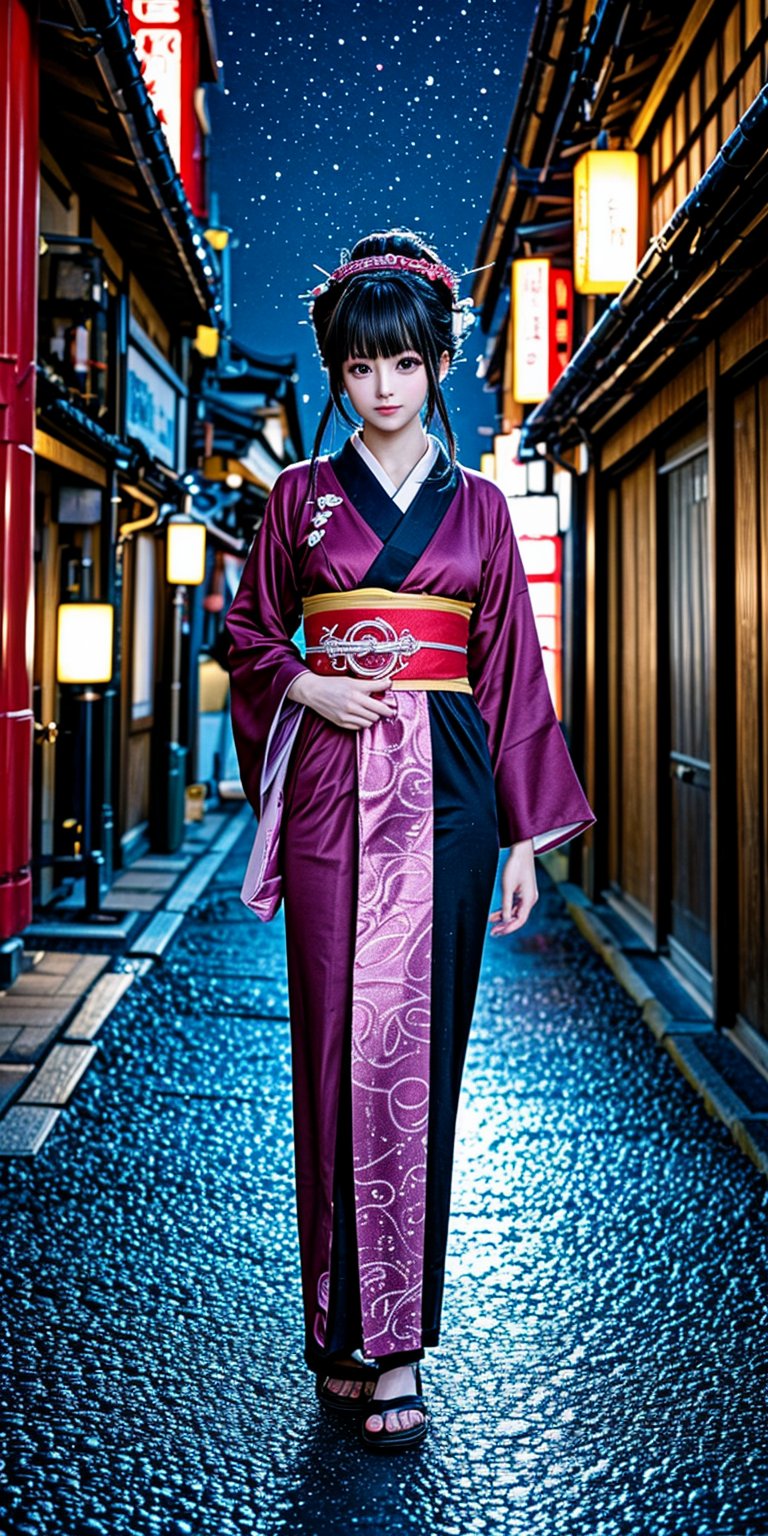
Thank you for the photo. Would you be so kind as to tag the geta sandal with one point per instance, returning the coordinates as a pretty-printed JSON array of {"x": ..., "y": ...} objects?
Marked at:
[
  {"x": 366, "y": 1372},
  {"x": 387, "y": 1441}
]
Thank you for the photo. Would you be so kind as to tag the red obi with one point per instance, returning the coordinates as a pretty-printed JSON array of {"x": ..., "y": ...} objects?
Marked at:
[{"x": 408, "y": 639}]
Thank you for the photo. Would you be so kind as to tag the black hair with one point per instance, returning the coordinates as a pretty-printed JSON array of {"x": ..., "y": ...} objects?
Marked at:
[{"x": 381, "y": 314}]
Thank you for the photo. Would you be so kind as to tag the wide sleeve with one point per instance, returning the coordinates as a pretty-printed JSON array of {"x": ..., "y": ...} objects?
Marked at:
[
  {"x": 538, "y": 794},
  {"x": 262, "y": 660}
]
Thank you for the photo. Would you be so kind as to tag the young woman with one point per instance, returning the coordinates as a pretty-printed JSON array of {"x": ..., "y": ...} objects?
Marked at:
[{"x": 387, "y": 767}]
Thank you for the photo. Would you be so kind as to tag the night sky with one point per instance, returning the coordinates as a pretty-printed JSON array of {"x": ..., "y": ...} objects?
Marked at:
[{"x": 338, "y": 118}]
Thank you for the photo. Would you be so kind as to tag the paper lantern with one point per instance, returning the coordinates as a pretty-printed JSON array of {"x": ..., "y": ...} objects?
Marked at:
[
  {"x": 605, "y": 219},
  {"x": 185, "y": 552},
  {"x": 84, "y": 642}
]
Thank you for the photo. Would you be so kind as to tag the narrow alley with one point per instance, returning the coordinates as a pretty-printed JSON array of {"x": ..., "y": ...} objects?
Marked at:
[{"x": 605, "y": 1360}]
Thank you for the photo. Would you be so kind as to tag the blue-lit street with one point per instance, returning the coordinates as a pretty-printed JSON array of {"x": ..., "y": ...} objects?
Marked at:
[{"x": 604, "y": 1364}]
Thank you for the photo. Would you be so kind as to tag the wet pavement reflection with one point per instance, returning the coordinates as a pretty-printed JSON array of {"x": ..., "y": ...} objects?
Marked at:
[{"x": 604, "y": 1362}]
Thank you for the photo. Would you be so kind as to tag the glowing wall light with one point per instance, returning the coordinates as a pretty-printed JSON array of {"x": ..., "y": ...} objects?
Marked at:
[
  {"x": 605, "y": 219},
  {"x": 509, "y": 475},
  {"x": 185, "y": 552},
  {"x": 534, "y": 517},
  {"x": 540, "y": 557},
  {"x": 84, "y": 642}
]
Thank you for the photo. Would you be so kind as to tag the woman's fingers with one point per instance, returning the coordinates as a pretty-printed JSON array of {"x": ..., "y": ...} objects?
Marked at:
[{"x": 519, "y": 892}]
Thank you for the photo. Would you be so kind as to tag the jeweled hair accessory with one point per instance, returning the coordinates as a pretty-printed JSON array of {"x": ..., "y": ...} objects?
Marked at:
[
  {"x": 389, "y": 261},
  {"x": 462, "y": 311}
]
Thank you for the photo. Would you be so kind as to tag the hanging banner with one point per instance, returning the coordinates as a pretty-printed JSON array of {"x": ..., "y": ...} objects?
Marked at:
[
  {"x": 167, "y": 41},
  {"x": 542, "y": 326}
]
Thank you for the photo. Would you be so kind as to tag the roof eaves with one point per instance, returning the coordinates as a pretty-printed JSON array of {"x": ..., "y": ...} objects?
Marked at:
[
  {"x": 113, "y": 51},
  {"x": 699, "y": 231}
]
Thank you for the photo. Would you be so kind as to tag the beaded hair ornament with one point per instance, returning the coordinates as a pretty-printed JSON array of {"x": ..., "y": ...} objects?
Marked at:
[{"x": 463, "y": 317}]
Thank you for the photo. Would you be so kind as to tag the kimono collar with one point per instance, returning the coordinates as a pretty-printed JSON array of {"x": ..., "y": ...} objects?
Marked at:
[{"x": 402, "y": 495}]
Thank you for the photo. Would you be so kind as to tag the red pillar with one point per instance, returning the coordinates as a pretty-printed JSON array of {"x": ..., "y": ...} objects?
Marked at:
[{"x": 19, "y": 170}]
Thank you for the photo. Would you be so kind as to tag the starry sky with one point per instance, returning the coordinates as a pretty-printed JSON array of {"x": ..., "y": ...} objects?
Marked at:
[{"x": 338, "y": 117}]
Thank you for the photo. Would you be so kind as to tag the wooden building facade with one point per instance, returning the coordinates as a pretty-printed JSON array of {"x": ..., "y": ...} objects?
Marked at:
[{"x": 661, "y": 417}]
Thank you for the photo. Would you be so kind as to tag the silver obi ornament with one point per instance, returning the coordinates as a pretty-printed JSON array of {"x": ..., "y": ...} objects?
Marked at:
[{"x": 371, "y": 648}]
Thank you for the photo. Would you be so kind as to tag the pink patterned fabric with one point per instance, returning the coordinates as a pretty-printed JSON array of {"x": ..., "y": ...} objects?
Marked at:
[{"x": 390, "y": 1020}]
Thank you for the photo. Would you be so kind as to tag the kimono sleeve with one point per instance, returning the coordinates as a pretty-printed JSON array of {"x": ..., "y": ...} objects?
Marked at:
[
  {"x": 262, "y": 660},
  {"x": 538, "y": 794}
]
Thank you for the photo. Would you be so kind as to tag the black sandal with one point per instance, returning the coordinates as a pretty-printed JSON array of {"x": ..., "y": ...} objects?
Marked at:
[
  {"x": 366, "y": 1372},
  {"x": 385, "y": 1441}
]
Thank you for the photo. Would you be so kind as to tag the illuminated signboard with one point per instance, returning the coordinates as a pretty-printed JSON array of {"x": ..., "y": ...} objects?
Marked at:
[
  {"x": 542, "y": 326},
  {"x": 167, "y": 42},
  {"x": 605, "y": 219},
  {"x": 156, "y": 27},
  {"x": 530, "y": 318}
]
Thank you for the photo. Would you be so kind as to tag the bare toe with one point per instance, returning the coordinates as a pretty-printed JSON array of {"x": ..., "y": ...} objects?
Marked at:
[{"x": 375, "y": 1423}]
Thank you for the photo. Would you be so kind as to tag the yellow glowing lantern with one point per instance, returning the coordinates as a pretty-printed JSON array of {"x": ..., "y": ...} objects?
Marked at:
[
  {"x": 185, "y": 552},
  {"x": 217, "y": 238},
  {"x": 207, "y": 340},
  {"x": 84, "y": 642},
  {"x": 605, "y": 219}
]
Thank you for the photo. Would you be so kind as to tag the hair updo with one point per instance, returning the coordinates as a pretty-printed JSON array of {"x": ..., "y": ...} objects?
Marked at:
[{"x": 381, "y": 314}]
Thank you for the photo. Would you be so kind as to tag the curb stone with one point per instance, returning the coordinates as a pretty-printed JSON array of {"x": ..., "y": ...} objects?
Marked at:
[{"x": 677, "y": 1035}]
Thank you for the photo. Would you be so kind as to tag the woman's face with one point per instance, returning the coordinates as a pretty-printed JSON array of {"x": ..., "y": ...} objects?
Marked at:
[{"x": 388, "y": 392}]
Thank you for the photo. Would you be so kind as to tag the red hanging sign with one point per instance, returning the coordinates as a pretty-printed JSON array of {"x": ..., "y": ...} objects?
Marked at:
[{"x": 167, "y": 40}]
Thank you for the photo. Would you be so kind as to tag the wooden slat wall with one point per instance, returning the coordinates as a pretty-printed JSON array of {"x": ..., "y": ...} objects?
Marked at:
[
  {"x": 635, "y": 628},
  {"x": 614, "y": 687},
  {"x": 750, "y": 732},
  {"x": 686, "y": 386},
  {"x": 763, "y": 634}
]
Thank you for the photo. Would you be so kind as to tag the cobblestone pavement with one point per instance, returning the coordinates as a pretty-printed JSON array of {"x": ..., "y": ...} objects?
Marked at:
[{"x": 605, "y": 1356}]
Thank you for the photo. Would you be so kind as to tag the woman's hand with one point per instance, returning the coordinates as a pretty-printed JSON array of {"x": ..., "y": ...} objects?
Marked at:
[
  {"x": 345, "y": 701},
  {"x": 519, "y": 891}
]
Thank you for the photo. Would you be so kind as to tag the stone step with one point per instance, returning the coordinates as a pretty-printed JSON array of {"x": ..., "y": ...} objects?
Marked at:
[
  {"x": 98, "y": 1005},
  {"x": 24, "y": 1129},
  {"x": 11, "y": 1080},
  {"x": 59, "y": 1074},
  {"x": 157, "y": 935}
]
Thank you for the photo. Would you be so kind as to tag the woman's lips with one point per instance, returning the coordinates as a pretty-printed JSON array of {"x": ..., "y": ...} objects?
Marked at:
[{"x": 387, "y": 410}]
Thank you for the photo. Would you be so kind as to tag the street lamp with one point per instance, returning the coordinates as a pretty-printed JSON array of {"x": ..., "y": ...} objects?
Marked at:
[
  {"x": 84, "y": 656},
  {"x": 184, "y": 567}
]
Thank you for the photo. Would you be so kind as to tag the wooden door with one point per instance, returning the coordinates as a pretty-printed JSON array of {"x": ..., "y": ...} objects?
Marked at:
[
  {"x": 690, "y": 660},
  {"x": 140, "y": 649},
  {"x": 750, "y": 419},
  {"x": 633, "y": 693}
]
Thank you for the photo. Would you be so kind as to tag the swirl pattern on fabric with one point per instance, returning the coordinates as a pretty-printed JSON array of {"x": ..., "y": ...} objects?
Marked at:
[{"x": 391, "y": 1020}]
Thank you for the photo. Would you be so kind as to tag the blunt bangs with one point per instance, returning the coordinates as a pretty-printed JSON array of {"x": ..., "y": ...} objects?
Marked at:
[
  {"x": 384, "y": 313},
  {"x": 378, "y": 319}
]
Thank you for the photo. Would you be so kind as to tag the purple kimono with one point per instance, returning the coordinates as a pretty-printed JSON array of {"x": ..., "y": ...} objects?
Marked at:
[{"x": 384, "y": 845}]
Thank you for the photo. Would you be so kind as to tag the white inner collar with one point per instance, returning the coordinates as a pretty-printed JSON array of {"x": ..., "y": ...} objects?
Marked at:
[{"x": 401, "y": 495}]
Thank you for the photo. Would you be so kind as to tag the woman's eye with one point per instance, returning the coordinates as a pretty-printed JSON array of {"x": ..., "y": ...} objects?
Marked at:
[
  {"x": 409, "y": 363},
  {"x": 357, "y": 369}
]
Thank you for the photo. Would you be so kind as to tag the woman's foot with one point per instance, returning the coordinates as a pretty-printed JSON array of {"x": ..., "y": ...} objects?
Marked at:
[
  {"x": 340, "y": 1387},
  {"x": 346, "y": 1384},
  {"x": 400, "y": 1382}
]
